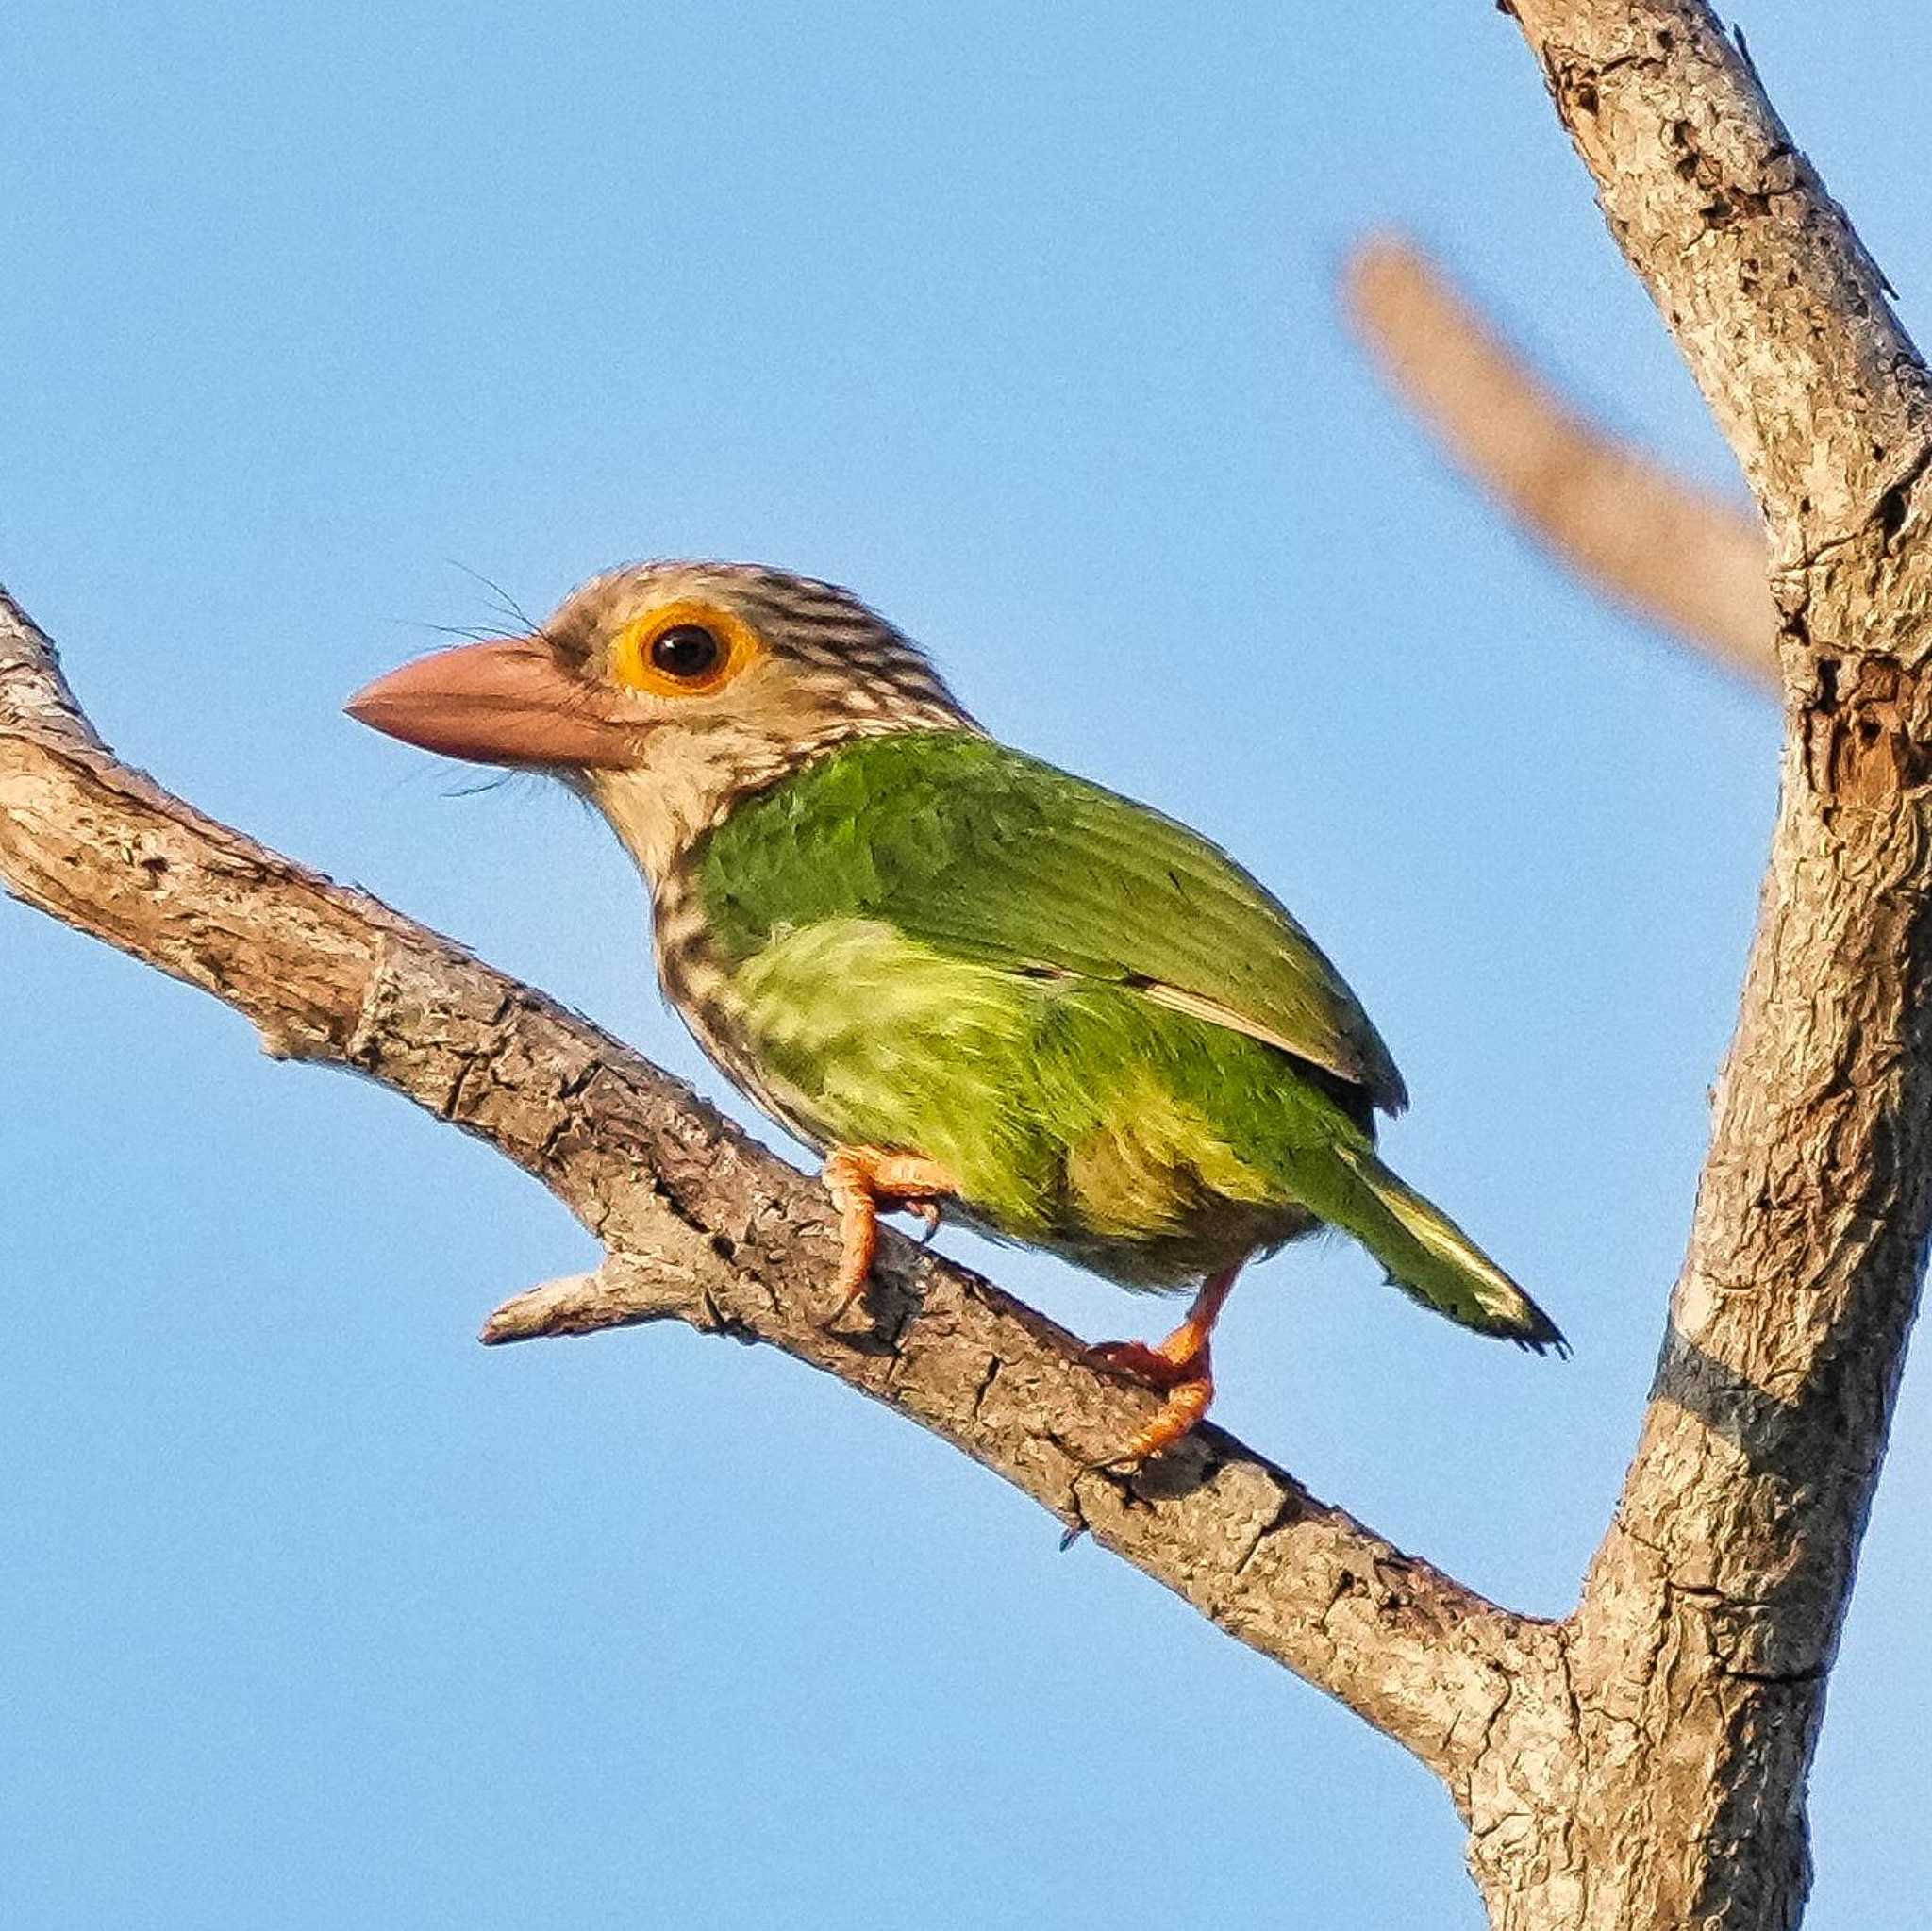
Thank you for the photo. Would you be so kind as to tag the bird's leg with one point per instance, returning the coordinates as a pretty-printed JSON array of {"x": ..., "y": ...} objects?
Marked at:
[
  {"x": 860, "y": 1179},
  {"x": 1181, "y": 1367}
]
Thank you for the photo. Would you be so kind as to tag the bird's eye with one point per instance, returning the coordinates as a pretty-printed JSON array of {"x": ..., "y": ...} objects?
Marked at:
[
  {"x": 684, "y": 650},
  {"x": 688, "y": 651}
]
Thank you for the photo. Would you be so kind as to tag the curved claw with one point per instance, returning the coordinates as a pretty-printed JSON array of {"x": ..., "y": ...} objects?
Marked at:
[{"x": 860, "y": 1179}]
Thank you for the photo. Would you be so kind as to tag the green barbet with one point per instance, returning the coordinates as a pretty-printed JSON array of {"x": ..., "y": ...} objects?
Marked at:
[{"x": 977, "y": 986}]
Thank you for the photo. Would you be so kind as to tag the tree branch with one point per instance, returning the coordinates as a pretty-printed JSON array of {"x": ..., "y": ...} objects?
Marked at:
[
  {"x": 1711, "y": 1613},
  {"x": 1675, "y": 553},
  {"x": 1641, "y": 1764},
  {"x": 701, "y": 1224}
]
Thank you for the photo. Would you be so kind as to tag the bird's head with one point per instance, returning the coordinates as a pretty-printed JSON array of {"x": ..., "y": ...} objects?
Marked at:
[{"x": 665, "y": 690}]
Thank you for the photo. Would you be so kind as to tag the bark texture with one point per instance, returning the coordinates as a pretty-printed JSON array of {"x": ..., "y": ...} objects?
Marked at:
[
  {"x": 1674, "y": 553},
  {"x": 1697, "y": 1662},
  {"x": 1640, "y": 1764}
]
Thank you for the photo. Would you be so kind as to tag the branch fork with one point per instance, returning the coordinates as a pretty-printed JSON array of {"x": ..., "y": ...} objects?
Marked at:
[{"x": 1642, "y": 1762}]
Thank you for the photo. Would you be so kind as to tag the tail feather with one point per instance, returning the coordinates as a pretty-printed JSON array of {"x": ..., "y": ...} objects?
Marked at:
[{"x": 1432, "y": 1260}]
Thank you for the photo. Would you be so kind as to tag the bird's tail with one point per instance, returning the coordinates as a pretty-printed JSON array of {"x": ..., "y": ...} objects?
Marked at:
[{"x": 1430, "y": 1258}]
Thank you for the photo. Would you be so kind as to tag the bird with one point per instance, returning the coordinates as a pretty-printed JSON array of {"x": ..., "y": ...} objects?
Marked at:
[{"x": 981, "y": 989}]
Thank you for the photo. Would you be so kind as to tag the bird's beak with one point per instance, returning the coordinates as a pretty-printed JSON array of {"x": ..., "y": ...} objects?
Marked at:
[{"x": 504, "y": 701}]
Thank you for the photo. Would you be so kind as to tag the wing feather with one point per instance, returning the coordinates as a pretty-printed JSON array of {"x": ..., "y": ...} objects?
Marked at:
[{"x": 993, "y": 856}]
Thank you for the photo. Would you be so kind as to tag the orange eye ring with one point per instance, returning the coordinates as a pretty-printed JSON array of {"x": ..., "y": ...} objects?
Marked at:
[{"x": 686, "y": 649}]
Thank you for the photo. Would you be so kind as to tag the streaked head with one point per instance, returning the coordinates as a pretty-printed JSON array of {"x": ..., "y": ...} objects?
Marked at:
[{"x": 665, "y": 690}]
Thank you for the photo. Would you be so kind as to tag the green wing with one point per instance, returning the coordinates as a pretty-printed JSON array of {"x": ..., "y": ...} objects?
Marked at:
[{"x": 991, "y": 856}]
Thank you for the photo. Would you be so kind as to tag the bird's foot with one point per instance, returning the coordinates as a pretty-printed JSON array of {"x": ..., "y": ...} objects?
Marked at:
[
  {"x": 860, "y": 1180},
  {"x": 1179, "y": 1368}
]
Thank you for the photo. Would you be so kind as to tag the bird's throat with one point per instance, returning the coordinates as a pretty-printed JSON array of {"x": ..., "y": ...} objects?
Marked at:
[{"x": 682, "y": 784}]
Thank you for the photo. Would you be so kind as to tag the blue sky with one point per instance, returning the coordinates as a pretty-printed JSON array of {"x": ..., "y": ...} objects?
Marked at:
[{"x": 1021, "y": 322}]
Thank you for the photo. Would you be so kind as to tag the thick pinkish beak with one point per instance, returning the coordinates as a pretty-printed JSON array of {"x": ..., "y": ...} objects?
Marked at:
[{"x": 504, "y": 701}]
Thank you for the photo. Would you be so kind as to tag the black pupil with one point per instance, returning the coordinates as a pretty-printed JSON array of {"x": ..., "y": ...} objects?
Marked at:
[{"x": 687, "y": 650}]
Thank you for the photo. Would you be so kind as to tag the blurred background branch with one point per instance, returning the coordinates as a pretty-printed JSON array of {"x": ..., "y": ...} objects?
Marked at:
[{"x": 1668, "y": 549}]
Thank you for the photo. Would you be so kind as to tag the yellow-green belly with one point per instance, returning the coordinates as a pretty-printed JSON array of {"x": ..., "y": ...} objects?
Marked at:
[{"x": 1076, "y": 1116}]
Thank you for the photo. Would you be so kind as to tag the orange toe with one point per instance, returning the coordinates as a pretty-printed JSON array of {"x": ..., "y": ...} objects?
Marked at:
[
  {"x": 1186, "y": 1403},
  {"x": 1145, "y": 1364},
  {"x": 860, "y": 1180}
]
